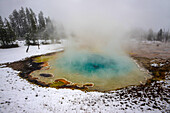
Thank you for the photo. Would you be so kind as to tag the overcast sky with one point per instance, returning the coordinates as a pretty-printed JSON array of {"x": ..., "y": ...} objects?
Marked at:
[{"x": 145, "y": 14}]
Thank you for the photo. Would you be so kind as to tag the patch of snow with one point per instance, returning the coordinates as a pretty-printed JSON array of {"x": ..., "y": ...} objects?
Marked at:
[
  {"x": 154, "y": 65},
  {"x": 151, "y": 42},
  {"x": 162, "y": 64},
  {"x": 152, "y": 61},
  {"x": 2, "y": 66},
  {"x": 20, "y": 43}
]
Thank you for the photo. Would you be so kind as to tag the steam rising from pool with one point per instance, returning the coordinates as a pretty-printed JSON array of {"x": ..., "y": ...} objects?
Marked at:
[{"x": 95, "y": 52}]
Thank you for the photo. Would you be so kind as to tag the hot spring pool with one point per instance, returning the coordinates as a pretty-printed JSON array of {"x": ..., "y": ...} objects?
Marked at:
[
  {"x": 90, "y": 64},
  {"x": 104, "y": 72}
]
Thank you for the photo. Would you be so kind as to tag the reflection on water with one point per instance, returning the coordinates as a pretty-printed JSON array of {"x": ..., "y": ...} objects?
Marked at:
[{"x": 105, "y": 72}]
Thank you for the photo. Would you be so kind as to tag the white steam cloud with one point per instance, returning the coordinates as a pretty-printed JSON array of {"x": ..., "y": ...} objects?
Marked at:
[{"x": 98, "y": 24}]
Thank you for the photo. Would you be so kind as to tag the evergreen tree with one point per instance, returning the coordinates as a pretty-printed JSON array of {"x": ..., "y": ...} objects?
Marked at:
[
  {"x": 23, "y": 22},
  {"x": 33, "y": 29},
  {"x": 1, "y": 22},
  {"x": 41, "y": 25},
  {"x": 34, "y": 16},
  {"x": 160, "y": 35},
  {"x": 28, "y": 17},
  {"x": 45, "y": 36},
  {"x": 17, "y": 23},
  {"x": 7, "y": 38},
  {"x": 2, "y": 32},
  {"x": 50, "y": 28},
  {"x": 41, "y": 21},
  {"x": 10, "y": 33},
  {"x": 7, "y": 35},
  {"x": 13, "y": 24},
  {"x": 33, "y": 26},
  {"x": 150, "y": 36}
]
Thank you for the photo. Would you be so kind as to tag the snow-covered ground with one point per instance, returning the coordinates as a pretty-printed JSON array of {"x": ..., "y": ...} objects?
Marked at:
[
  {"x": 17, "y": 95},
  {"x": 16, "y": 54}
]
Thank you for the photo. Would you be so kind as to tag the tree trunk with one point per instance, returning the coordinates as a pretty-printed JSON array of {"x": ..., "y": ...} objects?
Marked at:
[{"x": 27, "y": 48}]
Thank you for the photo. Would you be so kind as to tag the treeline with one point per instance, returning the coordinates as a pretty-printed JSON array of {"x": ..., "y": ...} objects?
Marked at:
[
  {"x": 161, "y": 35},
  {"x": 150, "y": 35},
  {"x": 25, "y": 25}
]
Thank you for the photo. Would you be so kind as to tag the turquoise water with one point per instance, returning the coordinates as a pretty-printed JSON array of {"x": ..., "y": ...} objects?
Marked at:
[{"x": 91, "y": 64}]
